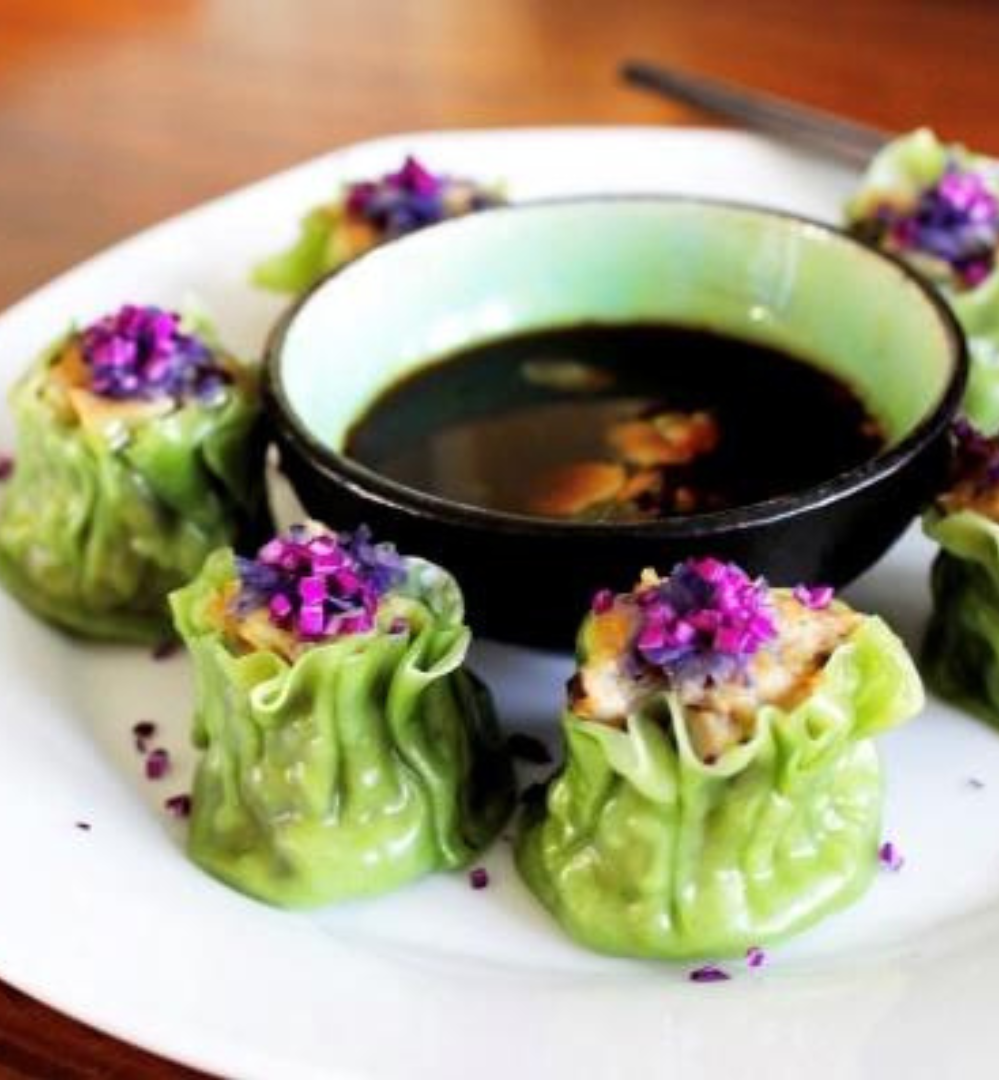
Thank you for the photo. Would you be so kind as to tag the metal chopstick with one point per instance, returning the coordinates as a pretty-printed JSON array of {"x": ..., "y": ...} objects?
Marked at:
[{"x": 846, "y": 139}]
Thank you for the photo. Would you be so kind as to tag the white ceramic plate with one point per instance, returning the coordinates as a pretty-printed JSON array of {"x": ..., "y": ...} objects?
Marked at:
[{"x": 114, "y": 926}]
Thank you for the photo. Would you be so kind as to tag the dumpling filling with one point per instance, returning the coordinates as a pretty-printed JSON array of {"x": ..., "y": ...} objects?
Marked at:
[{"x": 723, "y": 644}]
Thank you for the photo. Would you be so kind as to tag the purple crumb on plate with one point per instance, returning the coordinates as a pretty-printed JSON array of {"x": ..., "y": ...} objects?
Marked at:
[
  {"x": 142, "y": 732},
  {"x": 157, "y": 764},
  {"x": 165, "y": 649},
  {"x": 478, "y": 878},
  {"x": 974, "y": 782},
  {"x": 890, "y": 857},
  {"x": 710, "y": 973},
  {"x": 178, "y": 806},
  {"x": 83, "y": 826},
  {"x": 755, "y": 957}
]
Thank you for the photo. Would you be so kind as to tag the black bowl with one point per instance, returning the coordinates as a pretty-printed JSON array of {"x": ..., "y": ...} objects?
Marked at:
[{"x": 529, "y": 580}]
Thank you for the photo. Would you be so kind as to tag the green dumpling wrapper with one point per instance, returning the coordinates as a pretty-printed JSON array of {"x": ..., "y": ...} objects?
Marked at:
[
  {"x": 98, "y": 524},
  {"x": 322, "y": 245},
  {"x": 366, "y": 214},
  {"x": 641, "y": 848},
  {"x": 898, "y": 174},
  {"x": 368, "y": 761},
  {"x": 961, "y": 648}
]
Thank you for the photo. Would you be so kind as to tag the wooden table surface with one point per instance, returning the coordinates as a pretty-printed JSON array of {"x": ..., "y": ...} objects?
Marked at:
[{"x": 115, "y": 113}]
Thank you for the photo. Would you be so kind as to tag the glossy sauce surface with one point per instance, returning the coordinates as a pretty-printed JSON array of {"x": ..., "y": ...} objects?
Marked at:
[{"x": 633, "y": 422}]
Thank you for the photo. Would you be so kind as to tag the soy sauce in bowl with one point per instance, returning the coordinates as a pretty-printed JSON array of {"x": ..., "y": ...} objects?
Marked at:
[{"x": 633, "y": 422}]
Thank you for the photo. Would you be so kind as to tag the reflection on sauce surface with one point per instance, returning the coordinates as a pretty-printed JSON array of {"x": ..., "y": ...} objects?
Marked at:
[{"x": 632, "y": 422}]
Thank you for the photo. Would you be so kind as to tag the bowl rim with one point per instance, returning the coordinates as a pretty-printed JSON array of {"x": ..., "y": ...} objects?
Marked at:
[{"x": 365, "y": 482}]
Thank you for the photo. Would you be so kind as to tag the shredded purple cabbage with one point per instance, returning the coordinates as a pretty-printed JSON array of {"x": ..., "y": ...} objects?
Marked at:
[
  {"x": 956, "y": 220},
  {"x": 408, "y": 199},
  {"x": 320, "y": 584},
  {"x": 703, "y": 621},
  {"x": 142, "y": 732},
  {"x": 814, "y": 597},
  {"x": 141, "y": 352}
]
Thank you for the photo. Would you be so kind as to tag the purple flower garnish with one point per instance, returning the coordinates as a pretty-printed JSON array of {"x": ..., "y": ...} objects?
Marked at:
[
  {"x": 178, "y": 806},
  {"x": 704, "y": 621},
  {"x": 814, "y": 597},
  {"x": 976, "y": 457},
  {"x": 956, "y": 220},
  {"x": 143, "y": 731},
  {"x": 320, "y": 584},
  {"x": 140, "y": 352},
  {"x": 6, "y": 467},
  {"x": 755, "y": 957},
  {"x": 157, "y": 764},
  {"x": 710, "y": 973},
  {"x": 478, "y": 878},
  {"x": 890, "y": 857},
  {"x": 408, "y": 199}
]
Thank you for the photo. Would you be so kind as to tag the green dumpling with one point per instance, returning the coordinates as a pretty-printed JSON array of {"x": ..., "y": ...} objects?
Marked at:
[
  {"x": 346, "y": 749},
  {"x": 365, "y": 214},
  {"x": 721, "y": 789},
  {"x": 936, "y": 206},
  {"x": 961, "y": 649},
  {"x": 138, "y": 453}
]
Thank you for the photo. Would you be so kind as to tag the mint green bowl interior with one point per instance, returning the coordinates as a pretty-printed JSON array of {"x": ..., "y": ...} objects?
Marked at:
[{"x": 750, "y": 273}]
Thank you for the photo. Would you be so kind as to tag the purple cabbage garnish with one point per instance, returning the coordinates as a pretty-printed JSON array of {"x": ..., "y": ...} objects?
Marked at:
[
  {"x": 956, "y": 220},
  {"x": 320, "y": 584},
  {"x": 408, "y": 199},
  {"x": 704, "y": 621},
  {"x": 141, "y": 353},
  {"x": 814, "y": 597},
  {"x": 976, "y": 456}
]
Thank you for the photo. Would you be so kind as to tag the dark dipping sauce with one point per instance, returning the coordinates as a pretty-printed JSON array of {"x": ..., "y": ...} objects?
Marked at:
[{"x": 601, "y": 423}]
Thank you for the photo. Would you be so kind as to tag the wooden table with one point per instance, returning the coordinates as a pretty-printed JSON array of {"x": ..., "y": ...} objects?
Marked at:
[{"x": 114, "y": 113}]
